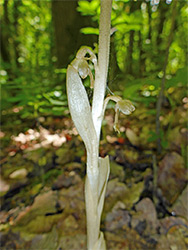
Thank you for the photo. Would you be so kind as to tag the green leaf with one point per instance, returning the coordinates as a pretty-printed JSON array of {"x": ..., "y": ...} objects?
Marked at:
[
  {"x": 56, "y": 102},
  {"x": 52, "y": 101},
  {"x": 124, "y": 1},
  {"x": 58, "y": 110},
  {"x": 153, "y": 137},
  {"x": 164, "y": 143},
  {"x": 60, "y": 71},
  {"x": 88, "y": 8},
  {"x": 151, "y": 112},
  {"x": 45, "y": 110},
  {"x": 180, "y": 77},
  {"x": 90, "y": 30}
]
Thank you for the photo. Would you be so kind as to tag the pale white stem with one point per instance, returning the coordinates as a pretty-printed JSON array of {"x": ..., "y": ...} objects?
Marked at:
[
  {"x": 102, "y": 67},
  {"x": 91, "y": 198},
  {"x": 94, "y": 195}
]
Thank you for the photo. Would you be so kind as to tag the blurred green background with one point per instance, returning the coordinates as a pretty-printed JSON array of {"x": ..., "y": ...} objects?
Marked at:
[{"x": 40, "y": 38}]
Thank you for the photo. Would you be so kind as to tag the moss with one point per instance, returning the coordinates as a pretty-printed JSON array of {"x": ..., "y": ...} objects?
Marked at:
[{"x": 40, "y": 224}]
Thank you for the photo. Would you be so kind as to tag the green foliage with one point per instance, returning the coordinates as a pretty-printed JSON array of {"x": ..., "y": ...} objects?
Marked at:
[
  {"x": 31, "y": 84},
  {"x": 31, "y": 81},
  {"x": 33, "y": 99},
  {"x": 52, "y": 174},
  {"x": 153, "y": 137},
  {"x": 90, "y": 30},
  {"x": 89, "y": 8},
  {"x": 124, "y": 19},
  {"x": 146, "y": 90}
]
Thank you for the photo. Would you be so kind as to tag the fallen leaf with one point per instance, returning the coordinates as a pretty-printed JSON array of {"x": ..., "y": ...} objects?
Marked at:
[
  {"x": 180, "y": 207},
  {"x": 44, "y": 203},
  {"x": 172, "y": 176}
]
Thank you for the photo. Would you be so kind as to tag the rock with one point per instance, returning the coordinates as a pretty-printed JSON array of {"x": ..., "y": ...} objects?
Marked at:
[
  {"x": 117, "y": 191},
  {"x": 4, "y": 186},
  {"x": 163, "y": 243},
  {"x": 74, "y": 241},
  {"x": 173, "y": 234},
  {"x": 11, "y": 240},
  {"x": 7, "y": 217},
  {"x": 145, "y": 220},
  {"x": 172, "y": 176},
  {"x": 141, "y": 227},
  {"x": 168, "y": 223},
  {"x": 127, "y": 239},
  {"x": 66, "y": 180},
  {"x": 45, "y": 241},
  {"x": 69, "y": 225},
  {"x": 116, "y": 241},
  {"x": 19, "y": 174},
  {"x": 117, "y": 219},
  {"x": 73, "y": 192}
]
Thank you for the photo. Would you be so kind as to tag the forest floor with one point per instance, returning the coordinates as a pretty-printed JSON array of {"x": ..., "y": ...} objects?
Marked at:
[{"x": 42, "y": 185}]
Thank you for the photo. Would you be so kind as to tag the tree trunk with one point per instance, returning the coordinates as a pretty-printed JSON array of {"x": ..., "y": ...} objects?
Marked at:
[
  {"x": 68, "y": 22},
  {"x": 113, "y": 65},
  {"x": 130, "y": 53},
  {"x": 5, "y": 34},
  {"x": 129, "y": 58},
  {"x": 149, "y": 21},
  {"x": 142, "y": 65},
  {"x": 15, "y": 23},
  {"x": 142, "y": 58},
  {"x": 163, "y": 8}
]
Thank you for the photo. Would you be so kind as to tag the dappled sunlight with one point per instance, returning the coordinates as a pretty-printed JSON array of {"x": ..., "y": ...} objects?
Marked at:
[{"x": 33, "y": 139}]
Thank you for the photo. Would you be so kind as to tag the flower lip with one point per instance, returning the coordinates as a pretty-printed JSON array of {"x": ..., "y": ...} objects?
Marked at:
[{"x": 125, "y": 106}]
